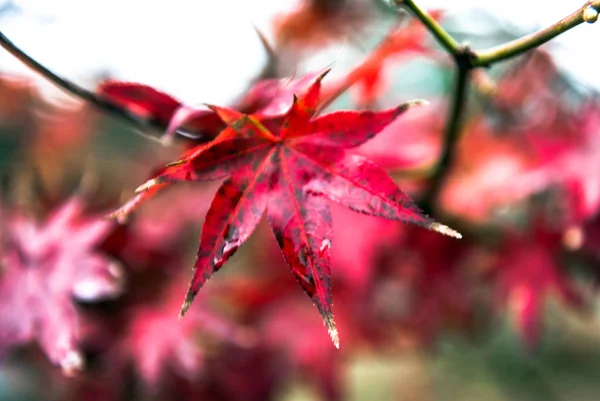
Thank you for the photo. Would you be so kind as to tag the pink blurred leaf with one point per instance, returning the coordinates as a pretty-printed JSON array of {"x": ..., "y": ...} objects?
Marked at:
[
  {"x": 45, "y": 267},
  {"x": 527, "y": 275}
]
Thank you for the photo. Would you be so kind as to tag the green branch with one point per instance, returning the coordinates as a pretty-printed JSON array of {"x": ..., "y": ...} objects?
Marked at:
[
  {"x": 451, "y": 135},
  {"x": 440, "y": 34},
  {"x": 587, "y": 13},
  {"x": 483, "y": 58},
  {"x": 467, "y": 60}
]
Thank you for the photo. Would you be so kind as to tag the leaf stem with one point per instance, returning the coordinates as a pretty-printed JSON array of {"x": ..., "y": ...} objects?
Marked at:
[
  {"x": 78, "y": 91},
  {"x": 587, "y": 13}
]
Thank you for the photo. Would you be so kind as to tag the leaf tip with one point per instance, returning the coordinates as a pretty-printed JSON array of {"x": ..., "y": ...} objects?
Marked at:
[
  {"x": 184, "y": 309},
  {"x": 412, "y": 104},
  {"x": 147, "y": 185},
  {"x": 418, "y": 103},
  {"x": 333, "y": 333},
  {"x": 167, "y": 139},
  {"x": 112, "y": 215},
  {"x": 189, "y": 298},
  {"x": 323, "y": 74},
  {"x": 442, "y": 229},
  {"x": 175, "y": 163},
  {"x": 72, "y": 363},
  {"x": 335, "y": 338},
  {"x": 119, "y": 215}
]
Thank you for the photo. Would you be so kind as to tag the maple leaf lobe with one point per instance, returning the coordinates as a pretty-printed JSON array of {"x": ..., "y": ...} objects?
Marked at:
[
  {"x": 235, "y": 211},
  {"x": 301, "y": 224}
]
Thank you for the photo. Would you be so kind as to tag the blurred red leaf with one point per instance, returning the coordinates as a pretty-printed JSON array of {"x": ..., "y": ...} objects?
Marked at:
[
  {"x": 287, "y": 166},
  {"x": 266, "y": 97},
  {"x": 526, "y": 275},
  {"x": 141, "y": 99},
  {"x": 491, "y": 171},
  {"x": 293, "y": 332},
  {"x": 313, "y": 23},
  {"x": 354, "y": 261},
  {"x": 153, "y": 105},
  {"x": 418, "y": 286},
  {"x": 532, "y": 141},
  {"x": 44, "y": 268},
  {"x": 574, "y": 164},
  {"x": 404, "y": 41},
  {"x": 156, "y": 237},
  {"x": 157, "y": 342}
]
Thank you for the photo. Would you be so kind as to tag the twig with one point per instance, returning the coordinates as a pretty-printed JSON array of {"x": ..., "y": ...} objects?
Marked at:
[
  {"x": 467, "y": 60},
  {"x": 451, "y": 135},
  {"x": 78, "y": 91},
  {"x": 483, "y": 58},
  {"x": 587, "y": 13},
  {"x": 443, "y": 37},
  {"x": 105, "y": 104}
]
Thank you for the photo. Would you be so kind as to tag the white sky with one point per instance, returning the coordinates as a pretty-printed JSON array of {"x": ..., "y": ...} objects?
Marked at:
[{"x": 207, "y": 50}]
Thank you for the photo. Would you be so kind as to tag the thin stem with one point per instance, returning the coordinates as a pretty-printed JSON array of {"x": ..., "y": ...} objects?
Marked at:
[
  {"x": 443, "y": 37},
  {"x": 587, "y": 13},
  {"x": 452, "y": 132},
  {"x": 78, "y": 91}
]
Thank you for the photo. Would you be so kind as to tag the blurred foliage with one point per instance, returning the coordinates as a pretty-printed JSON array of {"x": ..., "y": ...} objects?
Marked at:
[{"x": 507, "y": 313}]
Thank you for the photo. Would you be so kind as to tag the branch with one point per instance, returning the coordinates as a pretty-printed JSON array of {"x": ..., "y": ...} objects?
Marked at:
[
  {"x": 467, "y": 60},
  {"x": 433, "y": 26},
  {"x": 587, "y": 13},
  {"x": 80, "y": 92},
  {"x": 453, "y": 127}
]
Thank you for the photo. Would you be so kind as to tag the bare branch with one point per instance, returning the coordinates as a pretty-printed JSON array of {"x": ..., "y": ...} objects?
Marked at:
[{"x": 100, "y": 102}]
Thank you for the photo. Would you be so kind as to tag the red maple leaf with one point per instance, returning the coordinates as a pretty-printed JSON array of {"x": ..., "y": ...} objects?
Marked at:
[
  {"x": 287, "y": 166},
  {"x": 43, "y": 269}
]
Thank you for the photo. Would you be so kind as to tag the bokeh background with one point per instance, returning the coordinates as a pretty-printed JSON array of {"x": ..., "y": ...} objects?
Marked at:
[{"x": 88, "y": 307}]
